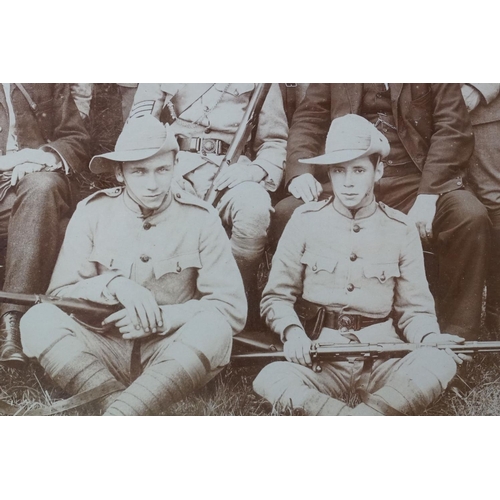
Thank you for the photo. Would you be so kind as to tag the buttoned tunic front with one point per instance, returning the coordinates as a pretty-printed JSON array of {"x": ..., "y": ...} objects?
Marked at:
[
  {"x": 180, "y": 253},
  {"x": 370, "y": 264}
]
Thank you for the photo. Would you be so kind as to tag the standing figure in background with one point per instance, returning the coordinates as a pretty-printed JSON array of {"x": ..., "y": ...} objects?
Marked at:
[
  {"x": 43, "y": 141},
  {"x": 204, "y": 118},
  {"x": 483, "y": 177}
]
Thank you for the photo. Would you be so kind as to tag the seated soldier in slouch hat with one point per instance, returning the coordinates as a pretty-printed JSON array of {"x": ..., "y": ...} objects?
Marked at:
[
  {"x": 164, "y": 256},
  {"x": 362, "y": 261}
]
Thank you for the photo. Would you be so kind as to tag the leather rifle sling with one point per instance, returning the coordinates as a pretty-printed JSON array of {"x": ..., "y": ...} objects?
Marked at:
[{"x": 66, "y": 404}]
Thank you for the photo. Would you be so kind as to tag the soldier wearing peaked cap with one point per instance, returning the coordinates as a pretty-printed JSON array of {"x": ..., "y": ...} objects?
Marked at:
[
  {"x": 362, "y": 262},
  {"x": 163, "y": 255}
]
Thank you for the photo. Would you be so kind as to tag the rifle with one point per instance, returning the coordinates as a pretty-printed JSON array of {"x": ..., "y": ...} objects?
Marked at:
[
  {"x": 240, "y": 138},
  {"x": 90, "y": 313},
  {"x": 341, "y": 352}
]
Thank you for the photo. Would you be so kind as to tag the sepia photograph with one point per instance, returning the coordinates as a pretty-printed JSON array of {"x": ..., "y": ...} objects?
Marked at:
[{"x": 250, "y": 249}]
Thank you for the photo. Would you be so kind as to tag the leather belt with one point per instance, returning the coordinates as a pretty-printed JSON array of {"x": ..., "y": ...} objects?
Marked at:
[
  {"x": 349, "y": 322},
  {"x": 203, "y": 145}
]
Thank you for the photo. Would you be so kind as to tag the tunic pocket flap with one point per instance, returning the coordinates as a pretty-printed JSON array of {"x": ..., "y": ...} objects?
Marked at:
[
  {"x": 319, "y": 262},
  {"x": 382, "y": 271},
  {"x": 111, "y": 262},
  {"x": 177, "y": 264}
]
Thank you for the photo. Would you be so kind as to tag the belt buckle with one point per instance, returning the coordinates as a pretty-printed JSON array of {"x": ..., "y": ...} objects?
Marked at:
[
  {"x": 211, "y": 146},
  {"x": 347, "y": 321}
]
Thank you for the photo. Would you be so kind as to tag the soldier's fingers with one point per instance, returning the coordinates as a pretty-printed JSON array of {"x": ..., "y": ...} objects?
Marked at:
[
  {"x": 305, "y": 193},
  {"x": 421, "y": 230},
  {"x": 116, "y": 316},
  {"x": 153, "y": 313},
  {"x": 223, "y": 185},
  {"x": 124, "y": 322},
  {"x": 428, "y": 231},
  {"x": 126, "y": 329},
  {"x": 136, "y": 334},
  {"x": 143, "y": 317},
  {"x": 293, "y": 191},
  {"x": 455, "y": 357},
  {"x": 319, "y": 188}
]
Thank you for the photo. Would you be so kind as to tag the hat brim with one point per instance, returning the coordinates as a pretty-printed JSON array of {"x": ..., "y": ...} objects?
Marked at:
[
  {"x": 336, "y": 157},
  {"x": 107, "y": 161}
]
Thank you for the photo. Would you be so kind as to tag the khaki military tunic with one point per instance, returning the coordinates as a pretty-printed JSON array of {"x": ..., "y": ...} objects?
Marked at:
[
  {"x": 370, "y": 264},
  {"x": 214, "y": 111},
  {"x": 180, "y": 253}
]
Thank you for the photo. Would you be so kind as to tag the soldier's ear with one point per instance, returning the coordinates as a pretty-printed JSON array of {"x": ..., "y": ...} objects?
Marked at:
[
  {"x": 379, "y": 170},
  {"x": 119, "y": 173}
]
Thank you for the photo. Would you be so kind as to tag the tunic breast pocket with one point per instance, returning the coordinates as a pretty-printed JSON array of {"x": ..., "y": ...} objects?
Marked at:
[
  {"x": 319, "y": 270},
  {"x": 186, "y": 264},
  {"x": 384, "y": 272},
  {"x": 108, "y": 262}
]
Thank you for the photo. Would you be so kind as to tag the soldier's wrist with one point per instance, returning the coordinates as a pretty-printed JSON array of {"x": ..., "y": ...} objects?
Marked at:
[{"x": 293, "y": 332}]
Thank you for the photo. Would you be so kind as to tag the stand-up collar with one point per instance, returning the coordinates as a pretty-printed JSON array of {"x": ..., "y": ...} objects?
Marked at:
[{"x": 361, "y": 213}]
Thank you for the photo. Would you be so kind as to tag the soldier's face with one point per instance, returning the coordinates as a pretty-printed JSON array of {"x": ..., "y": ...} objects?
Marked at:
[
  {"x": 353, "y": 182},
  {"x": 148, "y": 181}
]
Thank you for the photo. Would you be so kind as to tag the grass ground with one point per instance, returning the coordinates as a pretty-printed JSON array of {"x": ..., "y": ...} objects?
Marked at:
[{"x": 230, "y": 393}]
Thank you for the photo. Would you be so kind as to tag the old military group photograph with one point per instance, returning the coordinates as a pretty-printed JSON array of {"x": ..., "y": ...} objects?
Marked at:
[{"x": 250, "y": 249}]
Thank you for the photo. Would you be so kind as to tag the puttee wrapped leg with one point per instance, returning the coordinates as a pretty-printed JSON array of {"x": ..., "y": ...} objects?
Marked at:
[
  {"x": 289, "y": 386},
  {"x": 410, "y": 386},
  {"x": 51, "y": 336}
]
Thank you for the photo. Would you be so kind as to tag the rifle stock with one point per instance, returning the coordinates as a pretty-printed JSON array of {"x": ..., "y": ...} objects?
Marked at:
[
  {"x": 240, "y": 138},
  {"x": 87, "y": 312}
]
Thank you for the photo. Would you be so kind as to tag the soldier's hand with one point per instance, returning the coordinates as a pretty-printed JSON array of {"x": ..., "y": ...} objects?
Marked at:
[
  {"x": 306, "y": 188},
  {"x": 446, "y": 338},
  {"x": 472, "y": 97},
  {"x": 238, "y": 173},
  {"x": 125, "y": 325},
  {"x": 422, "y": 214},
  {"x": 297, "y": 346},
  {"x": 139, "y": 302},
  {"x": 24, "y": 169}
]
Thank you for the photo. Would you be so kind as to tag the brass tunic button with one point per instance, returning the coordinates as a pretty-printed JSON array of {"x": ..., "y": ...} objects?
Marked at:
[
  {"x": 356, "y": 228},
  {"x": 350, "y": 287},
  {"x": 353, "y": 257},
  {"x": 178, "y": 268},
  {"x": 147, "y": 226},
  {"x": 315, "y": 267},
  {"x": 145, "y": 258},
  {"x": 208, "y": 130},
  {"x": 178, "y": 195},
  {"x": 343, "y": 330},
  {"x": 390, "y": 162}
]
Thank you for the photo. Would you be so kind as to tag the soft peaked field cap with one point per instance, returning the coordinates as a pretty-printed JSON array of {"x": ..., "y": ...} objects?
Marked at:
[
  {"x": 141, "y": 138},
  {"x": 351, "y": 137}
]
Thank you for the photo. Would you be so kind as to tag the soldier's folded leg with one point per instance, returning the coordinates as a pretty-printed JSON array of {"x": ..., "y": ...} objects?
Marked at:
[
  {"x": 409, "y": 385},
  {"x": 246, "y": 210},
  {"x": 175, "y": 366},
  {"x": 289, "y": 386},
  {"x": 73, "y": 357}
]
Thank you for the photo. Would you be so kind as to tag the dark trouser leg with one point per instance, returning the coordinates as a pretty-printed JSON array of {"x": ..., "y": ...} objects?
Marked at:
[
  {"x": 461, "y": 240},
  {"x": 41, "y": 208},
  {"x": 493, "y": 276}
]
